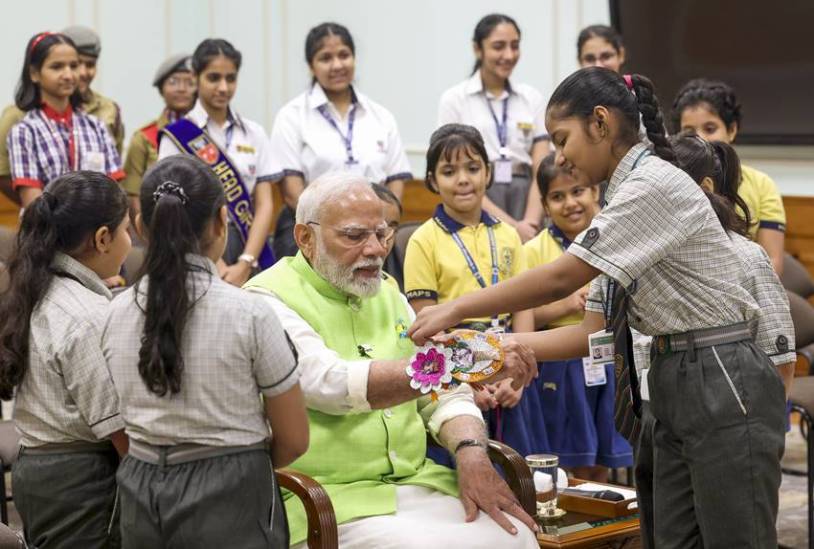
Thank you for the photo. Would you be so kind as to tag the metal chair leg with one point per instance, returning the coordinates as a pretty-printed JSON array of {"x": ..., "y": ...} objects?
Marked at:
[{"x": 3, "y": 497}]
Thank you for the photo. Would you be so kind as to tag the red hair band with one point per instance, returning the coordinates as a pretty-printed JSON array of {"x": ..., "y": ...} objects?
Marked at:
[
  {"x": 628, "y": 81},
  {"x": 38, "y": 39}
]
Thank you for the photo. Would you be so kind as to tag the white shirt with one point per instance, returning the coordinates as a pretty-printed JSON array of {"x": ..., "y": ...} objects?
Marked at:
[
  {"x": 243, "y": 141},
  {"x": 333, "y": 385},
  {"x": 304, "y": 143},
  {"x": 468, "y": 103}
]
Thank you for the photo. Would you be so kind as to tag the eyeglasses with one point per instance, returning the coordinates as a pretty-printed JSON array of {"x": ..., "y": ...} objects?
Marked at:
[
  {"x": 352, "y": 237},
  {"x": 180, "y": 82}
]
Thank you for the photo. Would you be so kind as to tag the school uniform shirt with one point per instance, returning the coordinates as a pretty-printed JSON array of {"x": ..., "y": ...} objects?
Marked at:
[
  {"x": 435, "y": 268},
  {"x": 763, "y": 199},
  {"x": 143, "y": 152},
  {"x": 660, "y": 239},
  {"x": 101, "y": 107},
  {"x": 468, "y": 103},
  {"x": 67, "y": 394},
  {"x": 544, "y": 248},
  {"x": 46, "y": 144},
  {"x": 243, "y": 141},
  {"x": 305, "y": 143},
  {"x": 234, "y": 349},
  {"x": 772, "y": 328}
]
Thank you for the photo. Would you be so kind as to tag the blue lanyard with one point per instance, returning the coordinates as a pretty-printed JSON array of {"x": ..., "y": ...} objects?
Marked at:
[
  {"x": 346, "y": 139},
  {"x": 473, "y": 267},
  {"x": 502, "y": 127}
]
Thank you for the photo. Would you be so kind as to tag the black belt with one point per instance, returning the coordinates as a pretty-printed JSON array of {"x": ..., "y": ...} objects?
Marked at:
[
  {"x": 184, "y": 453},
  {"x": 697, "y": 339}
]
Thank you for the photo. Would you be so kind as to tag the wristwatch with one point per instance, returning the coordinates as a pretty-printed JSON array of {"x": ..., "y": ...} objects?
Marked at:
[
  {"x": 467, "y": 442},
  {"x": 250, "y": 259}
]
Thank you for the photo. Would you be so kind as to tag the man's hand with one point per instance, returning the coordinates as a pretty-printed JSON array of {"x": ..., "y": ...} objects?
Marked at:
[
  {"x": 519, "y": 364},
  {"x": 483, "y": 489},
  {"x": 506, "y": 395},
  {"x": 484, "y": 399}
]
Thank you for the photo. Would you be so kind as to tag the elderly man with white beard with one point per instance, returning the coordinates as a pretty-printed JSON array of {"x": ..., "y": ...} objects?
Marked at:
[{"x": 368, "y": 425}]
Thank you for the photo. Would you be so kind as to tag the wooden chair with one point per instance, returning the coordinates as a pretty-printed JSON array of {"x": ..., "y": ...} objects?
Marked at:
[
  {"x": 322, "y": 528},
  {"x": 802, "y": 402}
]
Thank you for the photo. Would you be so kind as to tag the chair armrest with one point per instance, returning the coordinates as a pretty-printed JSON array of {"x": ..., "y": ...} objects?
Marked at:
[
  {"x": 518, "y": 474},
  {"x": 322, "y": 530}
]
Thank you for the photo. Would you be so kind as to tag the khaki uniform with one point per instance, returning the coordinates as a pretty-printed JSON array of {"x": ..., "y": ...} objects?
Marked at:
[{"x": 142, "y": 153}]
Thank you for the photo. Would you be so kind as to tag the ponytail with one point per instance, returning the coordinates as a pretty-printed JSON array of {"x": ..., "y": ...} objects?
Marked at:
[
  {"x": 730, "y": 179},
  {"x": 70, "y": 211},
  {"x": 180, "y": 197},
  {"x": 652, "y": 118}
]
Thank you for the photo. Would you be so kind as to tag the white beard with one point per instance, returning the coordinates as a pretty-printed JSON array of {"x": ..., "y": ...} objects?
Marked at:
[{"x": 343, "y": 278}]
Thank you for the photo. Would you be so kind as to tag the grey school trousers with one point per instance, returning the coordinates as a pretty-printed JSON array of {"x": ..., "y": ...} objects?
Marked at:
[
  {"x": 218, "y": 502},
  {"x": 712, "y": 448},
  {"x": 67, "y": 500},
  {"x": 511, "y": 197}
]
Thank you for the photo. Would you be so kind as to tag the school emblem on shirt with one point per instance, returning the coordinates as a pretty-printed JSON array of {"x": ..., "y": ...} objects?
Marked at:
[
  {"x": 401, "y": 328},
  {"x": 549, "y": 385},
  {"x": 506, "y": 262},
  {"x": 526, "y": 128},
  {"x": 204, "y": 150}
]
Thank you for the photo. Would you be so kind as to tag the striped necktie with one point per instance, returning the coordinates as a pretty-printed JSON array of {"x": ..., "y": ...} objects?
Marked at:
[{"x": 628, "y": 402}]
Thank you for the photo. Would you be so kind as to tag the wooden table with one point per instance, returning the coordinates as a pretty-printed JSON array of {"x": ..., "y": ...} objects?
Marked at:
[{"x": 583, "y": 530}]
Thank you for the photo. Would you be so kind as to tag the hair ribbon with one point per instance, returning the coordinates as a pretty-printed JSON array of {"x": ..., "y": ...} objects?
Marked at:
[
  {"x": 38, "y": 39},
  {"x": 628, "y": 81}
]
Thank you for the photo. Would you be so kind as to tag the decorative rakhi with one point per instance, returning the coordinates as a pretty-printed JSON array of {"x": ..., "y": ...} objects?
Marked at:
[{"x": 468, "y": 357}]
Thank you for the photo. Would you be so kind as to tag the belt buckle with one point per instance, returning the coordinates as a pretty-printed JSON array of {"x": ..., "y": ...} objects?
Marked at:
[{"x": 662, "y": 345}]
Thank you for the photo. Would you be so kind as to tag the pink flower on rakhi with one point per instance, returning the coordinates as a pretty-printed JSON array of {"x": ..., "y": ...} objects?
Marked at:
[{"x": 430, "y": 369}]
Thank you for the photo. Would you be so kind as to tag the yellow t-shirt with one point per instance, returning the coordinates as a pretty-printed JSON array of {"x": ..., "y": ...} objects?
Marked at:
[
  {"x": 540, "y": 250},
  {"x": 435, "y": 268},
  {"x": 763, "y": 199}
]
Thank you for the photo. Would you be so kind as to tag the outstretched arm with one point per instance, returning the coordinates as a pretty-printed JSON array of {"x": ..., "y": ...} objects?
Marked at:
[{"x": 544, "y": 284}]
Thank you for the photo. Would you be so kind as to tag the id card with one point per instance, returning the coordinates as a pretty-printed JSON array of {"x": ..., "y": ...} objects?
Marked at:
[
  {"x": 644, "y": 388},
  {"x": 594, "y": 373},
  {"x": 93, "y": 161},
  {"x": 601, "y": 347},
  {"x": 503, "y": 171}
]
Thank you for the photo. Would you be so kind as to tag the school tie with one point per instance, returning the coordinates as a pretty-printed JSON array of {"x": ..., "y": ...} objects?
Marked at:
[{"x": 628, "y": 402}]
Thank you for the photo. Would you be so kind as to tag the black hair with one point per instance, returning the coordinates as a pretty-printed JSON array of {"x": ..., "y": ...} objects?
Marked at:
[
  {"x": 211, "y": 48},
  {"x": 605, "y": 32},
  {"x": 448, "y": 139},
  {"x": 720, "y": 97},
  {"x": 27, "y": 95},
  {"x": 547, "y": 172},
  {"x": 590, "y": 87},
  {"x": 485, "y": 27},
  {"x": 719, "y": 162},
  {"x": 386, "y": 195},
  {"x": 180, "y": 196},
  {"x": 68, "y": 213},
  {"x": 315, "y": 37}
]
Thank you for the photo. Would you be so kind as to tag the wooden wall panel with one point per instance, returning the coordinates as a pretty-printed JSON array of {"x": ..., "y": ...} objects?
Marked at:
[{"x": 800, "y": 229}]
